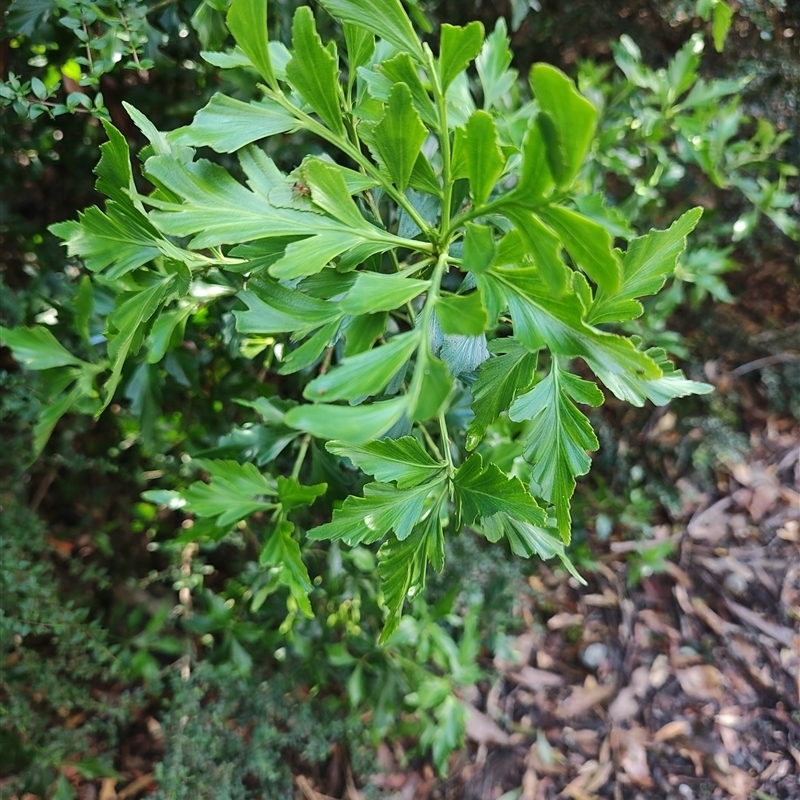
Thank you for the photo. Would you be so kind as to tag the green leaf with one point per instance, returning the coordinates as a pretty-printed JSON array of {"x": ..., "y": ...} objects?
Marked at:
[
  {"x": 37, "y": 348},
  {"x": 129, "y": 318},
  {"x": 49, "y": 417},
  {"x": 374, "y": 292},
  {"x": 310, "y": 255},
  {"x": 661, "y": 390},
  {"x": 482, "y": 157},
  {"x": 247, "y": 21},
  {"x": 399, "y": 135},
  {"x": 23, "y": 16},
  {"x": 647, "y": 264},
  {"x": 558, "y": 437},
  {"x": 314, "y": 70},
  {"x": 356, "y": 424},
  {"x": 369, "y": 518},
  {"x": 330, "y": 192},
  {"x": 385, "y": 18},
  {"x": 433, "y": 390},
  {"x": 527, "y": 540},
  {"x": 499, "y": 381},
  {"x": 122, "y": 237},
  {"x": 462, "y": 314},
  {"x": 493, "y": 64},
  {"x": 557, "y": 323},
  {"x": 167, "y": 332},
  {"x": 572, "y": 116},
  {"x": 308, "y": 352},
  {"x": 226, "y": 124},
  {"x": 402, "y": 69},
  {"x": 216, "y": 209},
  {"x": 588, "y": 243},
  {"x": 273, "y": 308},
  {"x": 723, "y": 16},
  {"x": 482, "y": 491},
  {"x": 360, "y": 47},
  {"x": 362, "y": 330},
  {"x": 402, "y": 460},
  {"x": 543, "y": 246},
  {"x": 292, "y": 494},
  {"x": 114, "y": 173},
  {"x": 282, "y": 550},
  {"x": 235, "y": 491},
  {"x": 366, "y": 374},
  {"x": 458, "y": 47},
  {"x": 402, "y": 566},
  {"x": 479, "y": 248}
]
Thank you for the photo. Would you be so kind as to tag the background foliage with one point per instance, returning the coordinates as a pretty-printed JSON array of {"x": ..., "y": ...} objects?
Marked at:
[{"x": 177, "y": 599}]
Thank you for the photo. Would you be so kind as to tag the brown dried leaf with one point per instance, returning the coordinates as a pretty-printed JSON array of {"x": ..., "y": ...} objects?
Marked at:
[
  {"x": 712, "y": 524},
  {"x": 702, "y": 682},
  {"x": 673, "y": 730},
  {"x": 564, "y": 620},
  {"x": 536, "y": 679},
  {"x": 482, "y": 729},
  {"x": 736, "y": 782},
  {"x": 582, "y": 699},
  {"x": 779, "y": 633}
]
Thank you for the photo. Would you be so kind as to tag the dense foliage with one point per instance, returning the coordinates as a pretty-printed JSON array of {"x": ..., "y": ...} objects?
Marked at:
[{"x": 391, "y": 266}]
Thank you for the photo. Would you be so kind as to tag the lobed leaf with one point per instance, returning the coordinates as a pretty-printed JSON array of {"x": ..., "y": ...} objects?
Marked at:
[{"x": 403, "y": 461}]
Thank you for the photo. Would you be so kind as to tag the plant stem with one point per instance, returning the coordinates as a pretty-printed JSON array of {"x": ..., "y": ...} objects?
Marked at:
[
  {"x": 429, "y": 439},
  {"x": 444, "y": 144},
  {"x": 445, "y": 436},
  {"x": 301, "y": 455}
]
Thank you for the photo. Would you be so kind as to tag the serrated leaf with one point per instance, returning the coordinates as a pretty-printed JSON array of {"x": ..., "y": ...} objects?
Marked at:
[
  {"x": 458, "y": 47},
  {"x": 366, "y": 374},
  {"x": 499, "y": 381},
  {"x": 559, "y": 436},
  {"x": 282, "y": 550},
  {"x": 292, "y": 494},
  {"x": 314, "y": 70},
  {"x": 308, "y": 352},
  {"x": 367, "y": 519},
  {"x": 385, "y": 18},
  {"x": 274, "y": 308},
  {"x": 247, "y": 21},
  {"x": 49, "y": 417},
  {"x": 402, "y": 566},
  {"x": 360, "y": 47},
  {"x": 356, "y": 424},
  {"x": 330, "y": 192},
  {"x": 661, "y": 390},
  {"x": 216, "y": 209},
  {"x": 374, "y": 292},
  {"x": 399, "y": 135},
  {"x": 646, "y": 265},
  {"x": 484, "y": 490},
  {"x": 573, "y": 119},
  {"x": 129, "y": 318},
  {"x": 403, "y": 461},
  {"x": 23, "y": 16},
  {"x": 527, "y": 540},
  {"x": 483, "y": 160},
  {"x": 114, "y": 173},
  {"x": 588, "y": 243},
  {"x": 557, "y": 323},
  {"x": 122, "y": 237},
  {"x": 493, "y": 64},
  {"x": 402, "y": 69},
  {"x": 536, "y": 179},
  {"x": 479, "y": 248},
  {"x": 543, "y": 246},
  {"x": 309, "y": 256},
  {"x": 235, "y": 491},
  {"x": 225, "y": 124},
  {"x": 462, "y": 315},
  {"x": 37, "y": 348}
]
